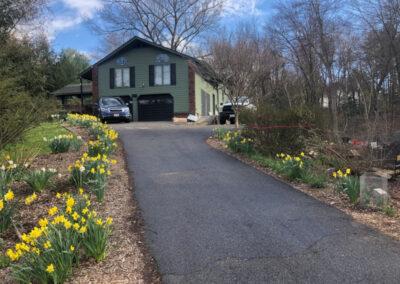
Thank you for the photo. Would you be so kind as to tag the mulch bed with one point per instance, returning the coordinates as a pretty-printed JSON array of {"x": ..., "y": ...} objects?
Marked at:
[
  {"x": 128, "y": 259},
  {"x": 374, "y": 218}
]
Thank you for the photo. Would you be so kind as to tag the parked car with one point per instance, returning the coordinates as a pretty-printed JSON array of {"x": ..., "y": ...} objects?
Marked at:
[
  {"x": 112, "y": 108},
  {"x": 226, "y": 112}
]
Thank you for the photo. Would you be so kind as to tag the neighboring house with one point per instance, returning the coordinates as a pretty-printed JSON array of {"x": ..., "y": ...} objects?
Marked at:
[
  {"x": 157, "y": 82},
  {"x": 70, "y": 97}
]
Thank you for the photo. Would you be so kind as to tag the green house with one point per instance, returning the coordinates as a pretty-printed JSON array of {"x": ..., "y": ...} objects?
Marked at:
[{"x": 158, "y": 83}]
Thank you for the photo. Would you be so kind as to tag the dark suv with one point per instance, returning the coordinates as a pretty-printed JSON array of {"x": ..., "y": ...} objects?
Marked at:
[
  {"x": 227, "y": 113},
  {"x": 112, "y": 108}
]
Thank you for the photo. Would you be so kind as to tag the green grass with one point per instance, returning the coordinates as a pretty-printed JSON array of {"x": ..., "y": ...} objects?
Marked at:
[{"x": 32, "y": 143}]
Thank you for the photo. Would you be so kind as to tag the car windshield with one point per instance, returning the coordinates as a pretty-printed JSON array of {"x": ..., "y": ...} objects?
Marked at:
[
  {"x": 111, "y": 102},
  {"x": 241, "y": 101}
]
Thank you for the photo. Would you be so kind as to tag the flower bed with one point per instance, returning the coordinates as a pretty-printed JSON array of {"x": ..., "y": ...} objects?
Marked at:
[
  {"x": 90, "y": 230},
  {"x": 306, "y": 174}
]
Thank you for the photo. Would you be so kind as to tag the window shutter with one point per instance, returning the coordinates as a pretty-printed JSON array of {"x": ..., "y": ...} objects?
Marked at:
[
  {"x": 132, "y": 77},
  {"x": 112, "y": 78},
  {"x": 173, "y": 74},
  {"x": 151, "y": 75}
]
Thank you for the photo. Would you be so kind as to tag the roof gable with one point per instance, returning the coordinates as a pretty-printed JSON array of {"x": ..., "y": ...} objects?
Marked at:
[{"x": 132, "y": 43}]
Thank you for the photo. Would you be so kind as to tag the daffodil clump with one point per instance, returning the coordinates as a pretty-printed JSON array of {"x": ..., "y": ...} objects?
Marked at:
[
  {"x": 348, "y": 183},
  {"x": 91, "y": 172},
  {"x": 9, "y": 172},
  {"x": 55, "y": 117},
  {"x": 83, "y": 120},
  {"x": 294, "y": 167},
  {"x": 238, "y": 143},
  {"x": 48, "y": 252},
  {"x": 8, "y": 208},
  {"x": 39, "y": 179},
  {"x": 220, "y": 132},
  {"x": 63, "y": 143}
]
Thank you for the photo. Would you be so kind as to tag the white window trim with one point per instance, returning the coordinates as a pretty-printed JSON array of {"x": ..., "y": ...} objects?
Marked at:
[
  {"x": 125, "y": 82},
  {"x": 162, "y": 75}
]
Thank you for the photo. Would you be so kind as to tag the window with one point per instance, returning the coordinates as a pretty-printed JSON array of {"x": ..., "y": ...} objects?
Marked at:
[
  {"x": 162, "y": 74},
  {"x": 122, "y": 77}
]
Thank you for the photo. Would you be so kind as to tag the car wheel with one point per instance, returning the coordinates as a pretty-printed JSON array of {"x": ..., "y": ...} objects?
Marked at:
[
  {"x": 232, "y": 121},
  {"x": 222, "y": 121}
]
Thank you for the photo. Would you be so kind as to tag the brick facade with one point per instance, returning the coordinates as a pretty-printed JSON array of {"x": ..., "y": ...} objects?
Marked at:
[{"x": 192, "y": 99}]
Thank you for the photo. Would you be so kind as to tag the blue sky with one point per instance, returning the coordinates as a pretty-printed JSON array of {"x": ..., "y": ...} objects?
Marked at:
[{"x": 66, "y": 28}]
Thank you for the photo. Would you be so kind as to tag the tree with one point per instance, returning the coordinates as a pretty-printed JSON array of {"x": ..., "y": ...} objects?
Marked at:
[
  {"x": 173, "y": 23},
  {"x": 14, "y": 12},
  {"x": 68, "y": 65},
  {"x": 236, "y": 61}
]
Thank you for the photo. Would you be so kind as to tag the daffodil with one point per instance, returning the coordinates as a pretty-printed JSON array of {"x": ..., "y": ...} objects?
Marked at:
[
  {"x": 50, "y": 268},
  {"x": 9, "y": 195}
]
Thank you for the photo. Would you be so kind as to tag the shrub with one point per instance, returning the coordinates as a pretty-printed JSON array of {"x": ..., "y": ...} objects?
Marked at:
[
  {"x": 39, "y": 179},
  {"x": 8, "y": 208},
  {"x": 348, "y": 184},
  {"x": 282, "y": 139}
]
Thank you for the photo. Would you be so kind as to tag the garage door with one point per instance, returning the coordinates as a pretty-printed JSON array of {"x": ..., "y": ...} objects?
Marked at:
[{"x": 155, "y": 107}]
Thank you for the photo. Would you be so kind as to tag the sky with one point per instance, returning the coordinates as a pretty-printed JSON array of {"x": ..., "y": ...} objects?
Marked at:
[{"x": 65, "y": 23}]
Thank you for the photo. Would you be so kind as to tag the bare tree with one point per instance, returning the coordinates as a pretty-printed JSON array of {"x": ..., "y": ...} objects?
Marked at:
[
  {"x": 239, "y": 62},
  {"x": 173, "y": 23}
]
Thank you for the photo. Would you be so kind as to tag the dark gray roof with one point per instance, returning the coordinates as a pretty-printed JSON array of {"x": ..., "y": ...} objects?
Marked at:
[
  {"x": 74, "y": 89},
  {"x": 132, "y": 43}
]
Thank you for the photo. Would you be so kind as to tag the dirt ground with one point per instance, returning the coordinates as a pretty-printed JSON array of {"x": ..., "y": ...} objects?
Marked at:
[
  {"x": 128, "y": 259},
  {"x": 374, "y": 218}
]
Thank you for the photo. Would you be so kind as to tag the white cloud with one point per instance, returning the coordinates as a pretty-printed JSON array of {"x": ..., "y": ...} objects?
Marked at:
[
  {"x": 85, "y": 8},
  {"x": 242, "y": 8},
  {"x": 73, "y": 13}
]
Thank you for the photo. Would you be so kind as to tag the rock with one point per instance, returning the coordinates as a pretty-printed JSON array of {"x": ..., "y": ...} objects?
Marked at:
[{"x": 380, "y": 194}]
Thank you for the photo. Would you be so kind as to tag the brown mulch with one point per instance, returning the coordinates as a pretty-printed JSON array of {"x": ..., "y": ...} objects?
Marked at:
[
  {"x": 128, "y": 259},
  {"x": 374, "y": 218}
]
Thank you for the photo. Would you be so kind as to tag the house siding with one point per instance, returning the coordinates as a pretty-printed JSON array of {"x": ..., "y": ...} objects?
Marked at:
[
  {"x": 202, "y": 86},
  {"x": 141, "y": 58}
]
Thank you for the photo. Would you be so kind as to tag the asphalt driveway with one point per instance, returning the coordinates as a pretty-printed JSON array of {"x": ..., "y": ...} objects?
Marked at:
[{"x": 212, "y": 219}]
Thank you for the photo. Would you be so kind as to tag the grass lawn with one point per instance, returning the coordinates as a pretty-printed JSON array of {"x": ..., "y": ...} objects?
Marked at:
[{"x": 33, "y": 144}]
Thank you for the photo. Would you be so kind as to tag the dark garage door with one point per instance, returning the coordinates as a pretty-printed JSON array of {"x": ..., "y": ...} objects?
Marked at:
[{"x": 156, "y": 107}]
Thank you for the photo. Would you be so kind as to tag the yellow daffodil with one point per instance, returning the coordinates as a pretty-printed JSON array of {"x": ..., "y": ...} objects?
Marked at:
[
  {"x": 348, "y": 171},
  {"x": 9, "y": 195},
  {"x": 70, "y": 202},
  {"x": 50, "y": 268},
  {"x": 1, "y": 204},
  {"x": 58, "y": 195},
  {"x": 43, "y": 222},
  {"x": 53, "y": 211},
  {"x": 72, "y": 248},
  {"x": 47, "y": 244}
]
